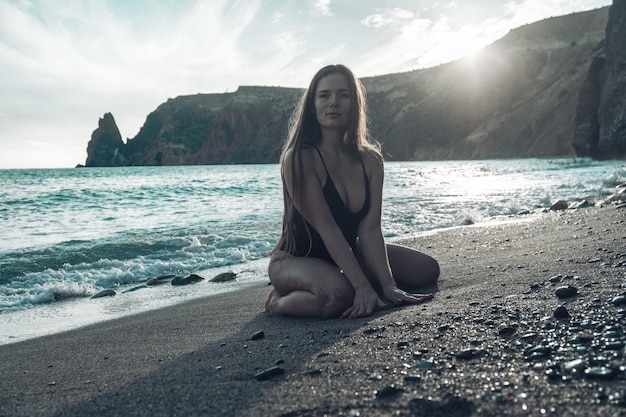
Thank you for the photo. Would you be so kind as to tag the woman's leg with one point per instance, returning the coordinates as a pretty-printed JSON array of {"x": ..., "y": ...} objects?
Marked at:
[
  {"x": 307, "y": 287},
  {"x": 411, "y": 269}
]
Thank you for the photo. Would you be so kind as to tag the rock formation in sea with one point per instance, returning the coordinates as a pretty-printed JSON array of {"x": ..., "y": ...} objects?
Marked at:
[
  {"x": 105, "y": 145},
  {"x": 601, "y": 114},
  {"x": 516, "y": 98}
]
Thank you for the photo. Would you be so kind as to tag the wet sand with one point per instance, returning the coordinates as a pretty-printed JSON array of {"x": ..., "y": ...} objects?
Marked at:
[{"x": 489, "y": 343}]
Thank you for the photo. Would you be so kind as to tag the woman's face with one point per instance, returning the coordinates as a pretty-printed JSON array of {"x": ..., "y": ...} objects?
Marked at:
[{"x": 333, "y": 103}]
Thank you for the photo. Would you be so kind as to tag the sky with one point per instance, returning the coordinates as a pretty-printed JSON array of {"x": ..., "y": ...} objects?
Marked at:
[{"x": 64, "y": 63}]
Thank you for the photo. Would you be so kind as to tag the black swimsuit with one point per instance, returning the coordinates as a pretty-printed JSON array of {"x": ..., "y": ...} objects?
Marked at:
[{"x": 347, "y": 221}]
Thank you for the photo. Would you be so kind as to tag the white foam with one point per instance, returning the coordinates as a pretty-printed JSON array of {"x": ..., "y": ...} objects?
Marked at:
[{"x": 41, "y": 320}]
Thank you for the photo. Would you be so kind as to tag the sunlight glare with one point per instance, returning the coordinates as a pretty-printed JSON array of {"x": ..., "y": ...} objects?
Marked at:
[
  {"x": 461, "y": 48},
  {"x": 461, "y": 45}
]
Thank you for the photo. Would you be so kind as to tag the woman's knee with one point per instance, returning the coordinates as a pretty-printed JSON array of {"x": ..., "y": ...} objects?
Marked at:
[
  {"x": 412, "y": 268},
  {"x": 428, "y": 268},
  {"x": 335, "y": 300},
  {"x": 433, "y": 271}
]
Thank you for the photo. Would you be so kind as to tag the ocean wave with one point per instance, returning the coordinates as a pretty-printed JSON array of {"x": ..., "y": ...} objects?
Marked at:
[
  {"x": 77, "y": 268},
  {"x": 615, "y": 178},
  {"x": 86, "y": 279},
  {"x": 68, "y": 234}
]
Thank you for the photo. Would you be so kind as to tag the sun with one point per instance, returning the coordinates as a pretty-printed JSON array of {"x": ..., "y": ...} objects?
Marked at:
[
  {"x": 460, "y": 48},
  {"x": 453, "y": 47}
]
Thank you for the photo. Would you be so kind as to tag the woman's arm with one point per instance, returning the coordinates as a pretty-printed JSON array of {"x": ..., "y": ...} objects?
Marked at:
[
  {"x": 306, "y": 192},
  {"x": 372, "y": 243}
]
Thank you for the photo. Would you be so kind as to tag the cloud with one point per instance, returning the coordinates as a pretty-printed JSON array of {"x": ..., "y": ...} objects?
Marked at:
[
  {"x": 386, "y": 17},
  {"x": 65, "y": 63},
  {"x": 443, "y": 32},
  {"x": 323, "y": 7},
  {"x": 415, "y": 41},
  {"x": 518, "y": 13}
]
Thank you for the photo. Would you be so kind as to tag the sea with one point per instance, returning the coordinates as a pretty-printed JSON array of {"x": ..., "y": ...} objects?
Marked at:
[{"x": 67, "y": 234}]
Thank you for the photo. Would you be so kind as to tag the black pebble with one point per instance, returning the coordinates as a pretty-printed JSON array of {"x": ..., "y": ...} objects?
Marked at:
[
  {"x": 258, "y": 335},
  {"x": 104, "y": 293},
  {"x": 313, "y": 372},
  {"x": 466, "y": 354},
  {"x": 388, "y": 391},
  {"x": 566, "y": 291},
  {"x": 601, "y": 372},
  {"x": 269, "y": 373},
  {"x": 191, "y": 279},
  {"x": 561, "y": 313},
  {"x": 412, "y": 378},
  {"x": 619, "y": 300},
  {"x": 506, "y": 331},
  {"x": 224, "y": 277}
]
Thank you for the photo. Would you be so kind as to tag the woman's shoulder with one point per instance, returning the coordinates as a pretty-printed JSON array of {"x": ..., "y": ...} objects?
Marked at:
[
  {"x": 300, "y": 160},
  {"x": 299, "y": 155},
  {"x": 372, "y": 158}
]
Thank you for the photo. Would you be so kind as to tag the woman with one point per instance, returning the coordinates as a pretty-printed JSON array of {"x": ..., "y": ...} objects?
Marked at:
[{"x": 331, "y": 259}]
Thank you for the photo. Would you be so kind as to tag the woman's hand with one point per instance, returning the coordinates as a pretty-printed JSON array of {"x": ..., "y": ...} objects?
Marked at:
[
  {"x": 396, "y": 296},
  {"x": 366, "y": 301}
]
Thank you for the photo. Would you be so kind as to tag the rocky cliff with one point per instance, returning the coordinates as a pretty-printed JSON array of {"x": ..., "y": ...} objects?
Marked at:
[
  {"x": 600, "y": 130},
  {"x": 246, "y": 126},
  {"x": 517, "y": 98},
  {"x": 104, "y": 148}
]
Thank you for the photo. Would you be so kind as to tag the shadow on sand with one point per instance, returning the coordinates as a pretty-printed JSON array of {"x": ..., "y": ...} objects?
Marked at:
[{"x": 218, "y": 377}]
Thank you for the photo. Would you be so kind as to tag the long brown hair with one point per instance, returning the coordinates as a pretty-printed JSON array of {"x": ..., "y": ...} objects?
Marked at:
[{"x": 305, "y": 132}]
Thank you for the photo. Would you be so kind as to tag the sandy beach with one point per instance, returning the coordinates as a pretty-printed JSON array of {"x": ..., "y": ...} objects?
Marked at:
[{"x": 496, "y": 340}]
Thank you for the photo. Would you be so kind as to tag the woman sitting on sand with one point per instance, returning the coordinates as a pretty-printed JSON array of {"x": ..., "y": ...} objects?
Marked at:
[{"x": 332, "y": 260}]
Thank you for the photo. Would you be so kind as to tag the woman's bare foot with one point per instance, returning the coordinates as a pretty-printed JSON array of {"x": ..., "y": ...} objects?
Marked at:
[{"x": 270, "y": 299}]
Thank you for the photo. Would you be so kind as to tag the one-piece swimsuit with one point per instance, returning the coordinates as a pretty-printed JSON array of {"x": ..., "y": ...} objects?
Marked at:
[{"x": 347, "y": 221}]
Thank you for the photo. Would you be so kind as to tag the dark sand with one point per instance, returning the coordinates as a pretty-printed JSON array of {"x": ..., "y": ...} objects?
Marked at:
[{"x": 487, "y": 345}]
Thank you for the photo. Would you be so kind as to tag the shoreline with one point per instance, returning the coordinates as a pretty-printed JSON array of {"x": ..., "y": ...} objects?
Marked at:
[
  {"x": 487, "y": 345},
  {"x": 49, "y": 319}
]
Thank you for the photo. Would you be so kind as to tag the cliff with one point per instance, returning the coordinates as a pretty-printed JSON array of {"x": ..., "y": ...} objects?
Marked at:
[
  {"x": 600, "y": 130},
  {"x": 516, "y": 98},
  {"x": 246, "y": 126},
  {"x": 106, "y": 142}
]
